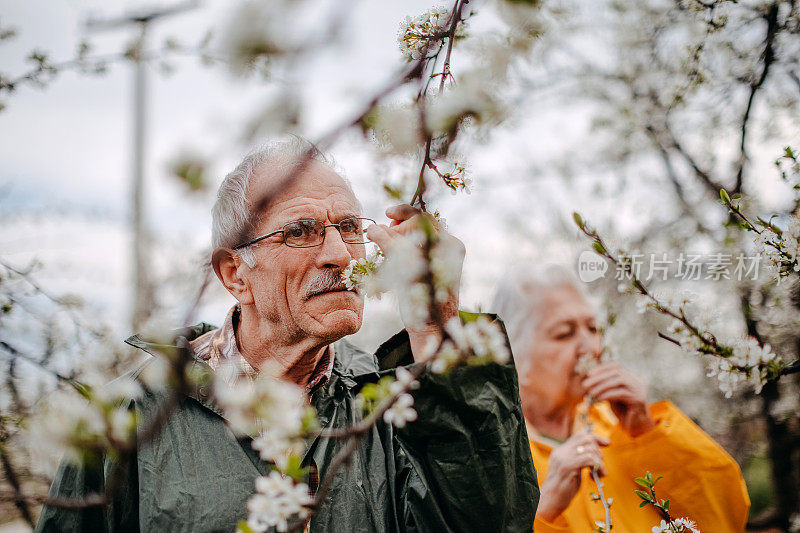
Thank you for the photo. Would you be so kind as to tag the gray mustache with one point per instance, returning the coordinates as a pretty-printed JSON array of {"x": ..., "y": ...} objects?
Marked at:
[{"x": 328, "y": 280}]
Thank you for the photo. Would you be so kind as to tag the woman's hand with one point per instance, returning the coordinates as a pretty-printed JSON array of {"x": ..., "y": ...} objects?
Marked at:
[
  {"x": 625, "y": 393},
  {"x": 563, "y": 480}
]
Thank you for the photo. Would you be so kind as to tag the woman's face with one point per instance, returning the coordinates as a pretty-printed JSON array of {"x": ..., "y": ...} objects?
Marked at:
[{"x": 565, "y": 332}]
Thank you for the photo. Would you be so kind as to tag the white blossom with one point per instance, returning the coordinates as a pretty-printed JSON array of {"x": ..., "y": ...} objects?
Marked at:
[
  {"x": 747, "y": 352},
  {"x": 277, "y": 447},
  {"x": 662, "y": 528},
  {"x": 790, "y": 242},
  {"x": 470, "y": 97},
  {"x": 277, "y": 499},
  {"x": 478, "y": 340},
  {"x": 122, "y": 424},
  {"x": 155, "y": 374},
  {"x": 415, "y": 35},
  {"x": 122, "y": 388},
  {"x": 642, "y": 303},
  {"x": 404, "y": 380},
  {"x": 686, "y": 524},
  {"x": 446, "y": 358},
  {"x": 273, "y": 408},
  {"x": 359, "y": 274},
  {"x": 397, "y": 128},
  {"x": 414, "y": 305},
  {"x": 255, "y": 31},
  {"x": 794, "y": 523},
  {"x": 73, "y": 425},
  {"x": 589, "y": 361},
  {"x": 401, "y": 411}
]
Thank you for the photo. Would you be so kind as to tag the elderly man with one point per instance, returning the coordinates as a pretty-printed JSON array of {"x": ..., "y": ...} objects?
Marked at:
[
  {"x": 555, "y": 341},
  {"x": 463, "y": 465}
]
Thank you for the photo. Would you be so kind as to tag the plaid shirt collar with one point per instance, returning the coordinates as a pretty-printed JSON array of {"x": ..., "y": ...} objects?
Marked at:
[{"x": 219, "y": 346}]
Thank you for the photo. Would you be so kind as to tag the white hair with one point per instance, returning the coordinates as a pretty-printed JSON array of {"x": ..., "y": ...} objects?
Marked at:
[
  {"x": 232, "y": 216},
  {"x": 518, "y": 298}
]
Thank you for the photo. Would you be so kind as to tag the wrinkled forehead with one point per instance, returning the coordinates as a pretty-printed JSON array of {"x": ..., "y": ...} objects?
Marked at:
[{"x": 292, "y": 184}]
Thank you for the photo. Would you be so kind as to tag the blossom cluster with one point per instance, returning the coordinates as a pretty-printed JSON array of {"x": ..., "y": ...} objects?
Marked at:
[
  {"x": 277, "y": 499},
  {"x": 589, "y": 361},
  {"x": 788, "y": 164},
  {"x": 394, "y": 389},
  {"x": 274, "y": 409},
  {"x": 415, "y": 35},
  {"x": 399, "y": 128},
  {"x": 750, "y": 362},
  {"x": 781, "y": 248},
  {"x": 678, "y": 525},
  {"x": 733, "y": 362},
  {"x": 479, "y": 341},
  {"x": 401, "y": 412},
  {"x": 86, "y": 426},
  {"x": 403, "y": 270},
  {"x": 359, "y": 269},
  {"x": 470, "y": 98},
  {"x": 255, "y": 32},
  {"x": 457, "y": 179}
]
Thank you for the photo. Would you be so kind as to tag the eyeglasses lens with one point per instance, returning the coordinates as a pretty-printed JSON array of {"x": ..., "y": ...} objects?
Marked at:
[
  {"x": 302, "y": 233},
  {"x": 351, "y": 230}
]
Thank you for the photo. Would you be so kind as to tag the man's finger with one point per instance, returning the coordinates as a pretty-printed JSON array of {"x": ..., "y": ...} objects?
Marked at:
[
  {"x": 401, "y": 212},
  {"x": 381, "y": 235}
]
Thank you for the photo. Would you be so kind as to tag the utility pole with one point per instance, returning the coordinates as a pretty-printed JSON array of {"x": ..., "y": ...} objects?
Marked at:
[{"x": 144, "y": 299}]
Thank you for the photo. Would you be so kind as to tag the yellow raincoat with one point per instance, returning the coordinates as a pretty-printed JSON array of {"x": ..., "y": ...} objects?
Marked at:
[{"x": 700, "y": 479}]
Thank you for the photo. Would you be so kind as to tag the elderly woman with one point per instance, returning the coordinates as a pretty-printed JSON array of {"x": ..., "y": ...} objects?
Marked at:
[{"x": 552, "y": 327}]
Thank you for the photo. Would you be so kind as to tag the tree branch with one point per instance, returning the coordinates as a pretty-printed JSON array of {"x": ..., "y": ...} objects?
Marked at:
[{"x": 768, "y": 57}]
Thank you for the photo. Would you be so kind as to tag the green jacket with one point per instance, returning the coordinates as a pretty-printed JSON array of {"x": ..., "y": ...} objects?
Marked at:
[{"x": 463, "y": 465}]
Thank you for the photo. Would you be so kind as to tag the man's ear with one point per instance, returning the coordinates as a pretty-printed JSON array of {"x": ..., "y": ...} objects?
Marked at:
[{"x": 229, "y": 266}]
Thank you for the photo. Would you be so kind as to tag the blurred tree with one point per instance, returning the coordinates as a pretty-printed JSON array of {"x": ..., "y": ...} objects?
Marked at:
[{"x": 689, "y": 96}]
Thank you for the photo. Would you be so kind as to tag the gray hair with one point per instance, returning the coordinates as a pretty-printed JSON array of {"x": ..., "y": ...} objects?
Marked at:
[
  {"x": 232, "y": 217},
  {"x": 518, "y": 297}
]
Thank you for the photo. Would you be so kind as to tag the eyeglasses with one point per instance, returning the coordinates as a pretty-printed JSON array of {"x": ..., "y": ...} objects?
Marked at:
[{"x": 309, "y": 233}]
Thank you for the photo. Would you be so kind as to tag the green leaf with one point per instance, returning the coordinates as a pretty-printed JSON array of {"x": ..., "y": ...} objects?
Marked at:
[
  {"x": 643, "y": 495},
  {"x": 242, "y": 527},
  {"x": 392, "y": 192},
  {"x": 294, "y": 468},
  {"x": 724, "y": 195},
  {"x": 310, "y": 423},
  {"x": 643, "y": 504},
  {"x": 665, "y": 504},
  {"x": 643, "y": 482},
  {"x": 192, "y": 173},
  {"x": 578, "y": 219},
  {"x": 599, "y": 248}
]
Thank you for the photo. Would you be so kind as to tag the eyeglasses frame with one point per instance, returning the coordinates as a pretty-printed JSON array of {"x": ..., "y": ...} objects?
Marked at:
[{"x": 324, "y": 233}]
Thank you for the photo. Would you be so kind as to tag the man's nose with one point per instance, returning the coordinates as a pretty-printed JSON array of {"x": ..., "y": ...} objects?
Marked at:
[{"x": 333, "y": 251}]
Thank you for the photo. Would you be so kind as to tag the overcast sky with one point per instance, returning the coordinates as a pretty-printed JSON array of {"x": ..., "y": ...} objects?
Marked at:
[
  {"x": 66, "y": 152},
  {"x": 66, "y": 149}
]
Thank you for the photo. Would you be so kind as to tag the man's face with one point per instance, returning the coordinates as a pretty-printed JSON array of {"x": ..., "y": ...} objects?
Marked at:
[
  {"x": 281, "y": 279},
  {"x": 566, "y": 331}
]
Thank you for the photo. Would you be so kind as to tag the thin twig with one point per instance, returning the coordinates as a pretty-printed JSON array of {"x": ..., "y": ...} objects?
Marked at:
[
  {"x": 455, "y": 19},
  {"x": 12, "y": 477}
]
